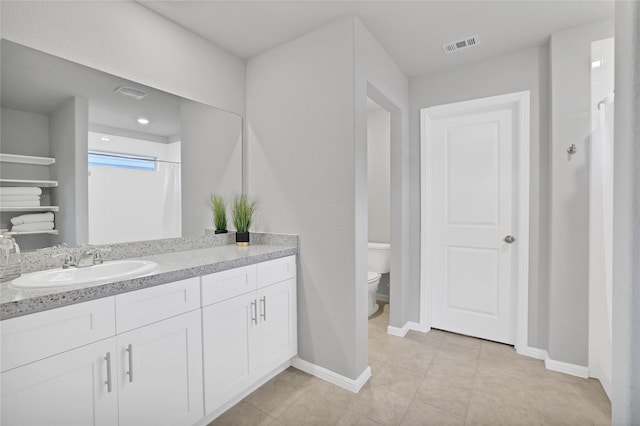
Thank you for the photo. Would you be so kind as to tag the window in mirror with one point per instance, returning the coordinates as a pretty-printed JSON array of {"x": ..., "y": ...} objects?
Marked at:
[{"x": 138, "y": 196}]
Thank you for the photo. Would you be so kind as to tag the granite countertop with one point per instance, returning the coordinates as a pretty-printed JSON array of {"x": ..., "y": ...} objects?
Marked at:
[{"x": 174, "y": 266}]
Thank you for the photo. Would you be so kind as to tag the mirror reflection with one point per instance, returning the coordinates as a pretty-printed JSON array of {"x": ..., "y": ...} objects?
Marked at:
[{"x": 114, "y": 160}]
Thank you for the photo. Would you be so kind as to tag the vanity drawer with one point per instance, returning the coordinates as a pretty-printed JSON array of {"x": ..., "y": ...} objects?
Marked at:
[
  {"x": 154, "y": 304},
  {"x": 274, "y": 271},
  {"x": 227, "y": 284},
  {"x": 36, "y": 336}
]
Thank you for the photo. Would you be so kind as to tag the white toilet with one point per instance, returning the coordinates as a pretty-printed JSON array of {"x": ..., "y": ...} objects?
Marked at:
[{"x": 379, "y": 259}]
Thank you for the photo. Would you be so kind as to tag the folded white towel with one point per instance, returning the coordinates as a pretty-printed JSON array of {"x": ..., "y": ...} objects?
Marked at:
[
  {"x": 34, "y": 226},
  {"x": 19, "y": 198},
  {"x": 20, "y": 190},
  {"x": 19, "y": 203},
  {"x": 33, "y": 217}
]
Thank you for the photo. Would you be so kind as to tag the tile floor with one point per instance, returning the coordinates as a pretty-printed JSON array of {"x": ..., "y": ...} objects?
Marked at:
[{"x": 437, "y": 378}]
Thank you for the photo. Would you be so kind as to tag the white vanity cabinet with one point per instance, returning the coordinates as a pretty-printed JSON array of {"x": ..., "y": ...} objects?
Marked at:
[
  {"x": 249, "y": 326},
  {"x": 171, "y": 354},
  {"x": 160, "y": 361},
  {"x": 49, "y": 377}
]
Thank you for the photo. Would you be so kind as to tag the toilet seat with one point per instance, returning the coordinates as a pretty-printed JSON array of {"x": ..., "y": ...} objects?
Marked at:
[{"x": 372, "y": 276}]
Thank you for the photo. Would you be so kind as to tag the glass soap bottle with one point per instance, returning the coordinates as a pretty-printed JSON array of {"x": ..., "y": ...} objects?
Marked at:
[{"x": 10, "y": 257}]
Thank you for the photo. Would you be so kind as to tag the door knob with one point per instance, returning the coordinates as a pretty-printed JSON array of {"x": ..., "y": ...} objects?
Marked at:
[{"x": 509, "y": 239}]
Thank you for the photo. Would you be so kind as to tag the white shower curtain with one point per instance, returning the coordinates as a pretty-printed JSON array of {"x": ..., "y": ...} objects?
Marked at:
[
  {"x": 172, "y": 211},
  {"x": 601, "y": 245}
]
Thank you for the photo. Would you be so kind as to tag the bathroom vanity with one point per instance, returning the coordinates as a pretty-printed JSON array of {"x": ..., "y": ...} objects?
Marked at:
[{"x": 177, "y": 346}]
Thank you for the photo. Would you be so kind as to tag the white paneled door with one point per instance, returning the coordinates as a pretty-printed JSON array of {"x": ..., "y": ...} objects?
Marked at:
[{"x": 472, "y": 222}]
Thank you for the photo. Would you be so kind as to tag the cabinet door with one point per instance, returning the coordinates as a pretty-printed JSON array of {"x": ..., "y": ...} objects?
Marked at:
[
  {"x": 66, "y": 389},
  {"x": 275, "y": 338},
  {"x": 160, "y": 375},
  {"x": 225, "y": 331}
]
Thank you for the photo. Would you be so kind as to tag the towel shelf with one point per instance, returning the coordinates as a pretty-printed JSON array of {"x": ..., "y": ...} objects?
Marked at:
[
  {"x": 27, "y": 159},
  {"x": 29, "y": 182},
  {"x": 50, "y": 231},
  {"x": 29, "y": 209}
]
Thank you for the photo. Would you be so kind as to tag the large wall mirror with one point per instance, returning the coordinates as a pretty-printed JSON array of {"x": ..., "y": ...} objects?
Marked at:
[{"x": 132, "y": 162}]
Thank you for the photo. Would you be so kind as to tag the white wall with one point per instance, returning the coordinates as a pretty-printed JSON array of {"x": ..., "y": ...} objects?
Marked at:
[
  {"x": 128, "y": 40},
  {"x": 625, "y": 401},
  {"x": 570, "y": 56},
  {"x": 520, "y": 71},
  {"x": 134, "y": 205},
  {"x": 379, "y": 174}
]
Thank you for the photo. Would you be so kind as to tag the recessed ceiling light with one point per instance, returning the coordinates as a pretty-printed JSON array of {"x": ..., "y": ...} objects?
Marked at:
[
  {"x": 104, "y": 138},
  {"x": 596, "y": 63},
  {"x": 143, "y": 121}
]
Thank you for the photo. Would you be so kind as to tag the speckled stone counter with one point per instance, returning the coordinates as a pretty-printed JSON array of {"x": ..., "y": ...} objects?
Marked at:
[{"x": 173, "y": 266}]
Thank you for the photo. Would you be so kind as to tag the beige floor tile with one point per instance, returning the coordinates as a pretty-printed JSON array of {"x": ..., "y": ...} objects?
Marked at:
[
  {"x": 380, "y": 405},
  {"x": 457, "y": 373},
  {"x": 420, "y": 414},
  {"x": 354, "y": 419},
  {"x": 243, "y": 414},
  {"x": 397, "y": 379},
  {"x": 275, "y": 396},
  {"x": 310, "y": 410},
  {"x": 490, "y": 410},
  {"x": 496, "y": 381},
  {"x": 439, "y": 392},
  {"x": 459, "y": 352}
]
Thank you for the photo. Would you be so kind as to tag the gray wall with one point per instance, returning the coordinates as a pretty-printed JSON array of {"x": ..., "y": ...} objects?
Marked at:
[
  {"x": 301, "y": 169},
  {"x": 525, "y": 70},
  {"x": 625, "y": 401},
  {"x": 307, "y": 164},
  {"x": 211, "y": 157},
  {"x": 570, "y": 57},
  {"x": 128, "y": 40},
  {"x": 379, "y": 174},
  {"x": 68, "y": 135}
]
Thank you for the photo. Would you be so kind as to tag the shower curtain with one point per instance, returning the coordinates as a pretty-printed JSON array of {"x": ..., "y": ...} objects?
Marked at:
[
  {"x": 172, "y": 211},
  {"x": 601, "y": 243}
]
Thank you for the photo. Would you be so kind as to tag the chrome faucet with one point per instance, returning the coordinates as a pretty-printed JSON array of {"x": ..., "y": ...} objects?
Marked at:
[{"x": 86, "y": 257}]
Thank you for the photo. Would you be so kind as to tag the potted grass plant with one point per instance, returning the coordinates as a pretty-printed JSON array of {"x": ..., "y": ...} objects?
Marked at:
[
  {"x": 219, "y": 213},
  {"x": 243, "y": 210}
]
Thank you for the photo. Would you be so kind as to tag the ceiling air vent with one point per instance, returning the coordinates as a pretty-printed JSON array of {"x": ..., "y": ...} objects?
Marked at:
[
  {"x": 461, "y": 44},
  {"x": 131, "y": 92}
]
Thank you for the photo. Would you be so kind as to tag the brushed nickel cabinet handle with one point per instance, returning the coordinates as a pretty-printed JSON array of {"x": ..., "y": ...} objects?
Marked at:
[
  {"x": 263, "y": 307},
  {"x": 130, "y": 372},
  {"x": 108, "y": 382},
  {"x": 254, "y": 312}
]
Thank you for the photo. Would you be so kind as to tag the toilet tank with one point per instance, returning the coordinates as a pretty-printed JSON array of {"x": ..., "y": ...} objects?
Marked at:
[{"x": 379, "y": 257}]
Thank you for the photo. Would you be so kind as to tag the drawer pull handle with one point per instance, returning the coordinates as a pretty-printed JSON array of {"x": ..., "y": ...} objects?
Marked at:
[
  {"x": 130, "y": 372},
  {"x": 263, "y": 314},
  {"x": 254, "y": 312},
  {"x": 108, "y": 382}
]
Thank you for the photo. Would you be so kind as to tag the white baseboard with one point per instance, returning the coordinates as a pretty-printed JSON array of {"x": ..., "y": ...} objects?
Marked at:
[
  {"x": 331, "y": 377},
  {"x": 553, "y": 365},
  {"x": 564, "y": 367},
  {"x": 233, "y": 401},
  {"x": 402, "y": 331}
]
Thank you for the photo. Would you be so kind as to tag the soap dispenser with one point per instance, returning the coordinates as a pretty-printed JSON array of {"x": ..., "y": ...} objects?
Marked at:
[{"x": 10, "y": 257}]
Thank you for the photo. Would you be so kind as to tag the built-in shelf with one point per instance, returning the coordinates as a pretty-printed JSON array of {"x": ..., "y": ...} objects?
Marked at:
[
  {"x": 27, "y": 159},
  {"x": 29, "y": 209},
  {"x": 50, "y": 232},
  {"x": 29, "y": 182}
]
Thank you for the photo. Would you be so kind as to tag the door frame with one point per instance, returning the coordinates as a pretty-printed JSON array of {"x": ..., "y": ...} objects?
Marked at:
[{"x": 519, "y": 102}]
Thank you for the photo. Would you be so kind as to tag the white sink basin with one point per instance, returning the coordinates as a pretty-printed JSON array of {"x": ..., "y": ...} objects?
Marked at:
[{"x": 108, "y": 271}]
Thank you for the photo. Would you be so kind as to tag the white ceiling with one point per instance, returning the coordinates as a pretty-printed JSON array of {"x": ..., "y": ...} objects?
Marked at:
[{"x": 411, "y": 31}]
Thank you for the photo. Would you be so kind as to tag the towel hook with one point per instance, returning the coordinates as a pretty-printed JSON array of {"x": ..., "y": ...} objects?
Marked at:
[{"x": 572, "y": 149}]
